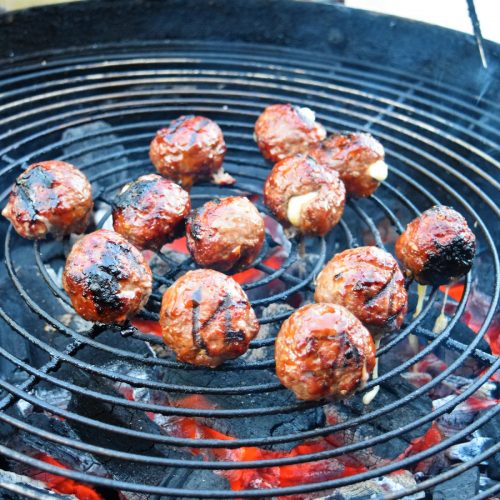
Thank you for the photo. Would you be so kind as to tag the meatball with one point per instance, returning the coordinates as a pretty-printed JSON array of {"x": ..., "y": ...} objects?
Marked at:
[
  {"x": 150, "y": 211},
  {"x": 368, "y": 282},
  {"x": 225, "y": 234},
  {"x": 190, "y": 149},
  {"x": 206, "y": 318},
  {"x": 106, "y": 278},
  {"x": 283, "y": 130},
  {"x": 323, "y": 351},
  {"x": 304, "y": 194},
  {"x": 438, "y": 247},
  {"x": 357, "y": 157},
  {"x": 51, "y": 197}
]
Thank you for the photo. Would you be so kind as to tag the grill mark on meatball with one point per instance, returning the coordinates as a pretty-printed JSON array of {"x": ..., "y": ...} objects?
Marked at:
[
  {"x": 104, "y": 278},
  {"x": 230, "y": 334},
  {"x": 386, "y": 287},
  {"x": 25, "y": 185},
  {"x": 194, "y": 134},
  {"x": 347, "y": 351},
  {"x": 224, "y": 306},
  {"x": 175, "y": 125},
  {"x": 195, "y": 331},
  {"x": 393, "y": 317},
  {"x": 132, "y": 197}
]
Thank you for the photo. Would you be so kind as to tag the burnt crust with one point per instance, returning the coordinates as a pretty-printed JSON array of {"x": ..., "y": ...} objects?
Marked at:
[
  {"x": 449, "y": 262},
  {"x": 133, "y": 195}
]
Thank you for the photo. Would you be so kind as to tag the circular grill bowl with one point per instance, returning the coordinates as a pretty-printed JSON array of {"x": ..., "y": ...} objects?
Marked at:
[{"x": 441, "y": 147}]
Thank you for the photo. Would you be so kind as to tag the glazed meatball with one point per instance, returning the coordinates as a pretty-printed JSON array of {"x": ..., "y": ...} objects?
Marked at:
[
  {"x": 51, "y": 197},
  {"x": 206, "y": 318},
  {"x": 283, "y": 130},
  {"x": 225, "y": 234},
  {"x": 190, "y": 149},
  {"x": 323, "y": 351},
  {"x": 368, "y": 282},
  {"x": 357, "y": 157},
  {"x": 106, "y": 278},
  {"x": 304, "y": 194},
  {"x": 438, "y": 247},
  {"x": 150, "y": 211}
]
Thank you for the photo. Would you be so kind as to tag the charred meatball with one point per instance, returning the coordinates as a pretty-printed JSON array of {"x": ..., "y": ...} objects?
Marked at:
[
  {"x": 225, "y": 234},
  {"x": 206, "y": 318},
  {"x": 438, "y": 247},
  {"x": 357, "y": 157},
  {"x": 283, "y": 130},
  {"x": 190, "y": 149},
  {"x": 323, "y": 351},
  {"x": 106, "y": 278},
  {"x": 51, "y": 197},
  {"x": 304, "y": 194},
  {"x": 368, "y": 282},
  {"x": 150, "y": 211}
]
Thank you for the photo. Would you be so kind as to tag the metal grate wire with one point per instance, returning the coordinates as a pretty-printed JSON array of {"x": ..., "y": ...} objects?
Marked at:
[{"x": 441, "y": 146}]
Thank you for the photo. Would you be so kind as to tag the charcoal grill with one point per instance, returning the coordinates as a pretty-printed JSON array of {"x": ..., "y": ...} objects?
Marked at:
[{"x": 437, "y": 119}]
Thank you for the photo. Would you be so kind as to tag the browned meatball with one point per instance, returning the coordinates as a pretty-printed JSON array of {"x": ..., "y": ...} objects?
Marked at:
[
  {"x": 438, "y": 247},
  {"x": 357, "y": 157},
  {"x": 323, "y": 351},
  {"x": 302, "y": 193},
  {"x": 283, "y": 130},
  {"x": 368, "y": 282},
  {"x": 206, "y": 318},
  {"x": 51, "y": 197},
  {"x": 106, "y": 278},
  {"x": 225, "y": 234},
  {"x": 150, "y": 211},
  {"x": 190, "y": 149}
]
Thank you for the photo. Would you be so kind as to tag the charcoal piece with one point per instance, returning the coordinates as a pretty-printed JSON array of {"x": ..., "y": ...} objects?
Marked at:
[
  {"x": 102, "y": 411},
  {"x": 461, "y": 487},
  {"x": 17, "y": 487},
  {"x": 268, "y": 331},
  {"x": 378, "y": 487},
  {"x": 192, "y": 479},
  {"x": 93, "y": 135},
  {"x": 491, "y": 429},
  {"x": 469, "y": 450},
  {"x": 259, "y": 426},
  {"x": 32, "y": 444},
  {"x": 390, "y": 391}
]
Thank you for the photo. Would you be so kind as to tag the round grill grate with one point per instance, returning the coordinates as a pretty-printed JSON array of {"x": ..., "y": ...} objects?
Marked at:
[{"x": 99, "y": 108}]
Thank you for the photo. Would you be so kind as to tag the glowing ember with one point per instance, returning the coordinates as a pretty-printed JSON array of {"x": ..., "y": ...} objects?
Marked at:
[
  {"x": 431, "y": 438},
  {"x": 62, "y": 484}
]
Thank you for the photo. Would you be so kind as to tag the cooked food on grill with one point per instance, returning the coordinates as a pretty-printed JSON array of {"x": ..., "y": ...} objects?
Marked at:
[
  {"x": 190, "y": 149},
  {"x": 106, "y": 278},
  {"x": 150, "y": 211},
  {"x": 357, "y": 157},
  {"x": 368, "y": 282},
  {"x": 225, "y": 234},
  {"x": 438, "y": 247},
  {"x": 304, "y": 194},
  {"x": 206, "y": 318},
  {"x": 323, "y": 351},
  {"x": 50, "y": 197},
  {"x": 283, "y": 130}
]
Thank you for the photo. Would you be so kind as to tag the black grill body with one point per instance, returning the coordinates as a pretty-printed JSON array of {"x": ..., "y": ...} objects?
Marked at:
[{"x": 90, "y": 83}]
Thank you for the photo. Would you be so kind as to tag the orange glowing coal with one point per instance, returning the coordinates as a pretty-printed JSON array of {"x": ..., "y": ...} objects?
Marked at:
[
  {"x": 268, "y": 477},
  {"x": 63, "y": 484},
  {"x": 431, "y": 438}
]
